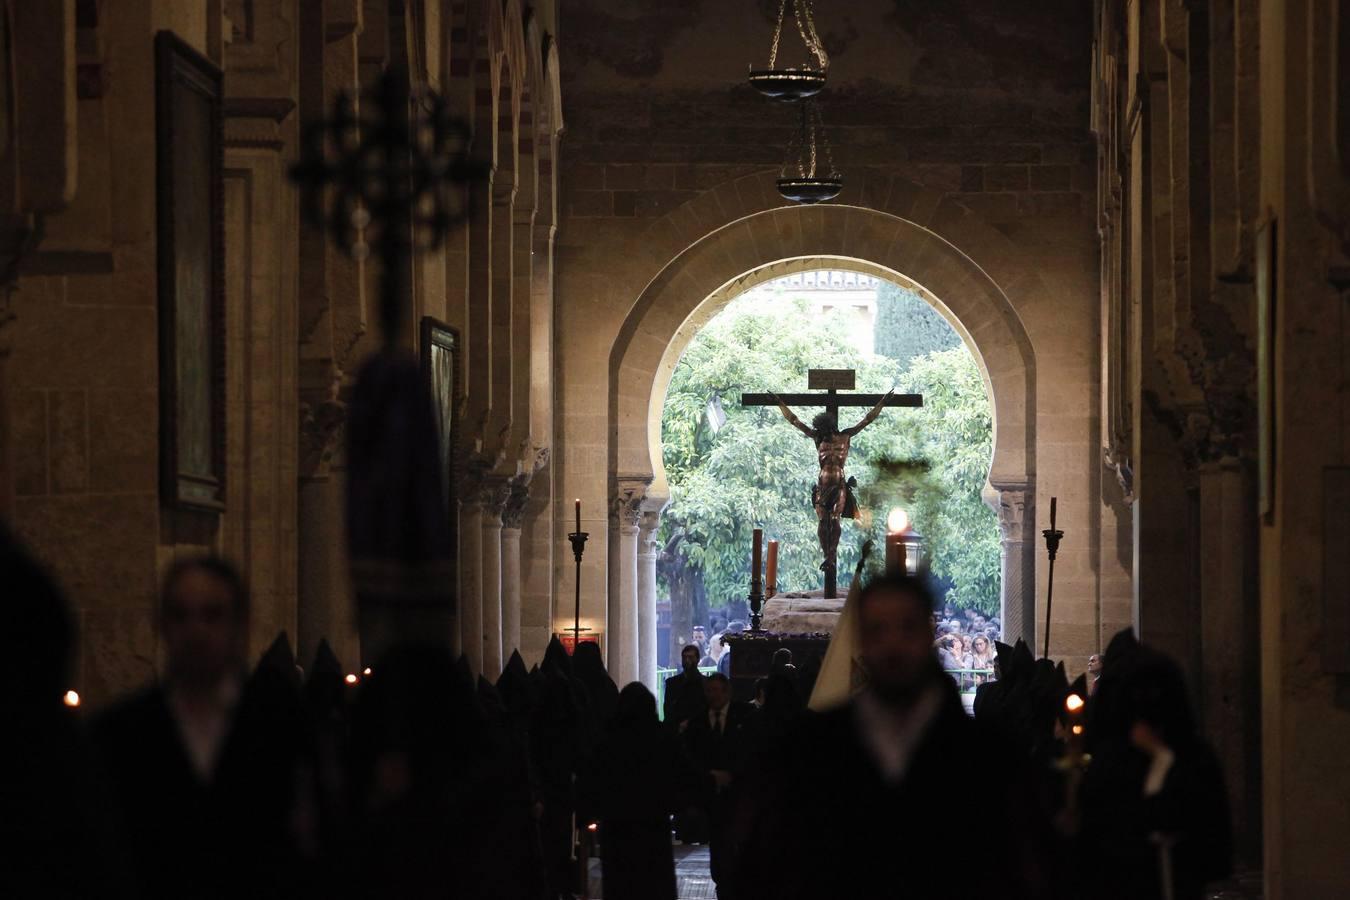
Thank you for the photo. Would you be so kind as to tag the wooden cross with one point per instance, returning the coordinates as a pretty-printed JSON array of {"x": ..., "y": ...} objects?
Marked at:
[{"x": 831, "y": 381}]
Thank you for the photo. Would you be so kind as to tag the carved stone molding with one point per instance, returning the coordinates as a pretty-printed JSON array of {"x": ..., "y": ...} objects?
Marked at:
[
  {"x": 1013, "y": 506},
  {"x": 513, "y": 511},
  {"x": 1116, "y": 458},
  {"x": 626, "y": 505},
  {"x": 321, "y": 436}
]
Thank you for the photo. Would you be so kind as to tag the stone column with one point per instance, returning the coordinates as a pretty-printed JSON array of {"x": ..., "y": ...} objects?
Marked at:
[
  {"x": 646, "y": 590},
  {"x": 325, "y": 605},
  {"x": 512, "y": 517},
  {"x": 471, "y": 580},
  {"x": 1016, "y": 506},
  {"x": 1230, "y": 639},
  {"x": 623, "y": 588},
  {"x": 490, "y": 522}
]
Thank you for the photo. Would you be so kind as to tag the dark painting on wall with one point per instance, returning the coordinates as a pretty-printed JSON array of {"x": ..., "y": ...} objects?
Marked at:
[
  {"x": 189, "y": 168},
  {"x": 440, "y": 363}
]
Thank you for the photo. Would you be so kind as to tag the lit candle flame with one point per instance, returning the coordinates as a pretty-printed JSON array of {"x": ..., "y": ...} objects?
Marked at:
[
  {"x": 351, "y": 678},
  {"x": 366, "y": 671},
  {"x": 1074, "y": 703},
  {"x": 71, "y": 698},
  {"x": 591, "y": 827},
  {"x": 1078, "y": 729},
  {"x": 897, "y": 521}
]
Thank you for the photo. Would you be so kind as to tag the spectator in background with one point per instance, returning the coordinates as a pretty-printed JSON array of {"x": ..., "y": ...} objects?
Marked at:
[
  {"x": 950, "y": 654},
  {"x": 1094, "y": 672},
  {"x": 982, "y": 653},
  {"x": 684, "y": 691},
  {"x": 724, "y": 660}
]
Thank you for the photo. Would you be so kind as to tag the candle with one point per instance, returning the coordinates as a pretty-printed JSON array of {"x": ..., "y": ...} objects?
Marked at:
[
  {"x": 897, "y": 522},
  {"x": 757, "y": 545},
  {"x": 1053, "y": 502},
  {"x": 771, "y": 578},
  {"x": 578, "y": 515}
]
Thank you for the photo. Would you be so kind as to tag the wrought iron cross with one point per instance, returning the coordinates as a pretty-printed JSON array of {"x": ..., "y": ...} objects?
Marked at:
[{"x": 384, "y": 175}]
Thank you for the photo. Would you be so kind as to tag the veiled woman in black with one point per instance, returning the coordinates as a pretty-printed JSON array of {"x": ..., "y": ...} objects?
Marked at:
[{"x": 638, "y": 778}]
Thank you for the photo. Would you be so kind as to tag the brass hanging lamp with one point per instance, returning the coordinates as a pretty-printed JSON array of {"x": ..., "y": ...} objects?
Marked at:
[
  {"x": 808, "y": 174},
  {"x": 794, "y": 83}
]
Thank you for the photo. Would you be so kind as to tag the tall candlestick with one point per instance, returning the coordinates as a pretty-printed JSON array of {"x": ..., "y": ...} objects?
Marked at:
[
  {"x": 895, "y": 553},
  {"x": 756, "y": 546},
  {"x": 771, "y": 573},
  {"x": 578, "y": 515}
]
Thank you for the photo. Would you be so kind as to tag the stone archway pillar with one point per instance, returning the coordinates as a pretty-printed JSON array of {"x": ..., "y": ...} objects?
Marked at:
[
  {"x": 1017, "y": 607},
  {"x": 512, "y": 517},
  {"x": 623, "y": 629},
  {"x": 490, "y": 522},
  {"x": 471, "y": 582},
  {"x": 646, "y": 611}
]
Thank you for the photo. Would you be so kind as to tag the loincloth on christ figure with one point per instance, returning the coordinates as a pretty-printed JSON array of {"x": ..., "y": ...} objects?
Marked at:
[{"x": 831, "y": 499}]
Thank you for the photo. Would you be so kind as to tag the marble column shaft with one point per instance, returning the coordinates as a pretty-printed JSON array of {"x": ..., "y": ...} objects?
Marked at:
[
  {"x": 510, "y": 590},
  {"x": 623, "y": 604},
  {"x": 471, "y": 583},
  {"x": 646, "y": 609},
  {"x": 1017, "y": 567},
  {"x": 491, "y": 549}
]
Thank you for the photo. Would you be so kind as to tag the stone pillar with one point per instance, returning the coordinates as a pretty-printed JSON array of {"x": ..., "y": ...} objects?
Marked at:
[
  {"x": 1017, "y": 608},
  {"x": 471, "y": 581},
  {"x": 491, "y": 524},
  {"x": 325, "y": 606},
  {"x": 623, "y": 588},
  {"x": 646, "y": 590},
  {"x": 1230, "y": 640},
  {"x": 512, "y": 517}
]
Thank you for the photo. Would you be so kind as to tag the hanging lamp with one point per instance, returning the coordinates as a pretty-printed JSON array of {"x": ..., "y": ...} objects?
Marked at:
[
  {"x": 808, "y": 174},
  {"x": 790, "y": 83}
]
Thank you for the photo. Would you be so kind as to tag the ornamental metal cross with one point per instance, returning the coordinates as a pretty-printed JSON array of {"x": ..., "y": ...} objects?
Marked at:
[
  {"x": 832, "y": 496},
  {"x": 386, "y": 172}
]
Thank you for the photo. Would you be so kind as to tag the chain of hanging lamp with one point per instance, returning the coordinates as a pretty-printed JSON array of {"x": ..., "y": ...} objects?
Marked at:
[
  {"x": 793, "y": 83},
  {"x": 806, "y": 27},
  {"x": 808, "y": 174}
]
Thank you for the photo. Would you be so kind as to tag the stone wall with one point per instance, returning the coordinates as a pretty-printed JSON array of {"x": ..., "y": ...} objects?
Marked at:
[
  {"x": 976, "y": 113},
  {"x": 79, "y": 446}
]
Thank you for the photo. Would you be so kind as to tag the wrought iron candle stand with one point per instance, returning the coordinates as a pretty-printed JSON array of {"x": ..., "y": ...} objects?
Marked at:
[
  {"x": 756, "y": 604},
  {"x": 1052, "y": 538},
  {"x": 578, "y": 539}
]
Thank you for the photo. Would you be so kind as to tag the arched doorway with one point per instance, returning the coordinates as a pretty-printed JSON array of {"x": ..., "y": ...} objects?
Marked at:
[
  {"x": 699, "y": 280},
  {"x": 732, "y": 468}
]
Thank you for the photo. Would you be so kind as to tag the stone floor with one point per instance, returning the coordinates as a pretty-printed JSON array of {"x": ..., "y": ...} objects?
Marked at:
[{"x": 692, "y": 881}]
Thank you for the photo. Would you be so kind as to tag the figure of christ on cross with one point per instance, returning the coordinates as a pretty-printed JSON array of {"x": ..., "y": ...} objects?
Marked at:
[{"x": 832, "y": 495}]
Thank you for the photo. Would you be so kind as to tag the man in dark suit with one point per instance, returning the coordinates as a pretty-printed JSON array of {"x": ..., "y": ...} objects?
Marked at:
[
  {"x": 684, "y": 700},
  {"x": 205, "y": 763},
  {"x": 717, "y": 744},
  {"x": 865, "y": 789}
]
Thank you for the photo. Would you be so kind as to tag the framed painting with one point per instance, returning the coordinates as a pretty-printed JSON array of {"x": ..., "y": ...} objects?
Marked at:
[
  {"x": 189, "y": 167},
  {"x": 440, "y": 365},
  {"x": 1266, "y": 269}
]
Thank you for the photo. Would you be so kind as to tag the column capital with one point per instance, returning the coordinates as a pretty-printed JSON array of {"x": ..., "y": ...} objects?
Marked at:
[
  {"x": 513, "y": 510},
  {"x": 1015, "y": 503},
  {"x": 626, "y": 504},
  {"x": 322, "y": 436}
]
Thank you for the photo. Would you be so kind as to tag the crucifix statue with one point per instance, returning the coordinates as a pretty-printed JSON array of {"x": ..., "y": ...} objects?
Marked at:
[{"x": 832, "y": 495}]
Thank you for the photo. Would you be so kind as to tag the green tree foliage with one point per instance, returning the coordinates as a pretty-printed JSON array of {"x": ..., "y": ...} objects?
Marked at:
[
  {"x": 757, "y": 470},
  {"x": 907, "y": 327}
]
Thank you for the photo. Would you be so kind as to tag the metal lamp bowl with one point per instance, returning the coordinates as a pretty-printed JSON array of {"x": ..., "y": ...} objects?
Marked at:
[
  {"x": 810, "y": 190},
  {"x": 787, "y": 84}
]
